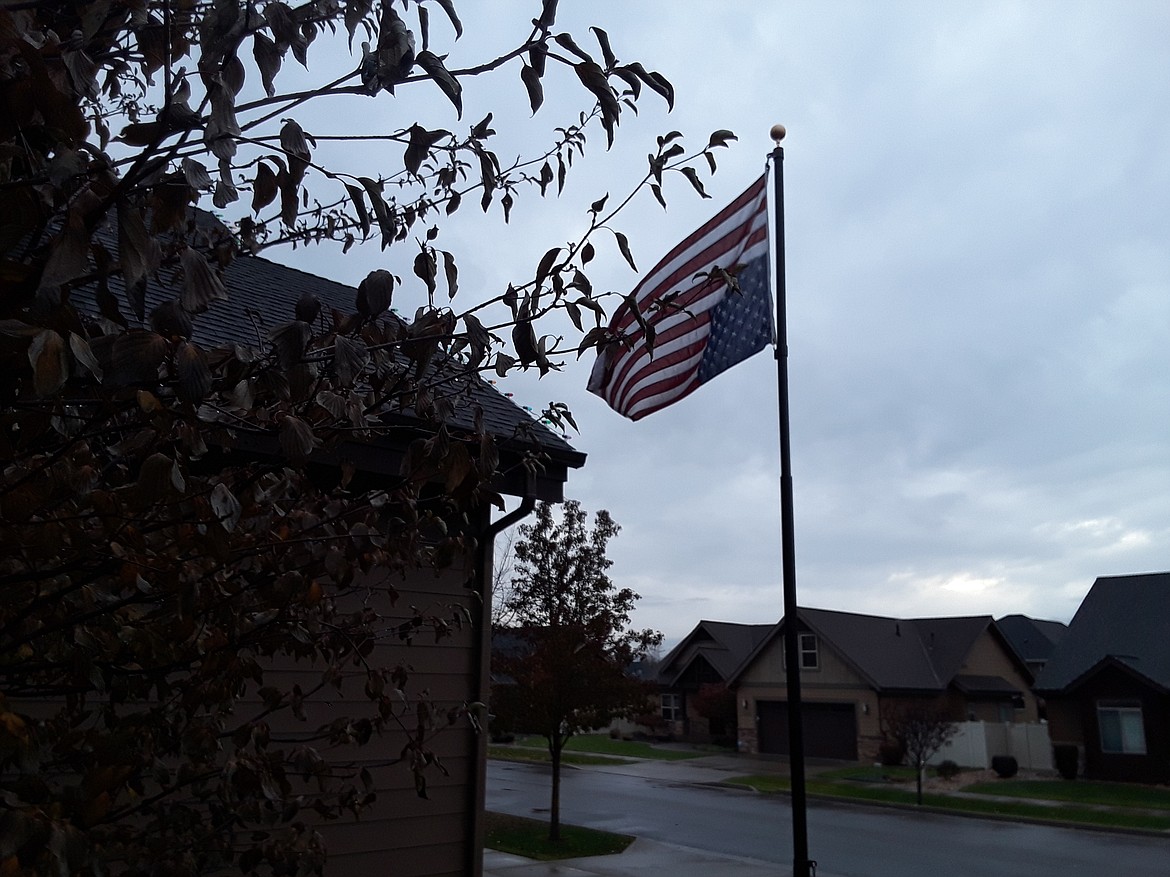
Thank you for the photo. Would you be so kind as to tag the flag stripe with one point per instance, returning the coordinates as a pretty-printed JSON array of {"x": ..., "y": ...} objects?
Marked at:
[
  {"x": 705, "y": 295},
  {"x": 639, "y": 365},
  {"x": 699, "y": 329},
  {"x": 673, "y": 367},
  {"x": 653, "y": 396},
  {"x": 672, "y": 323},
  {"x": 699, "y": 251}
]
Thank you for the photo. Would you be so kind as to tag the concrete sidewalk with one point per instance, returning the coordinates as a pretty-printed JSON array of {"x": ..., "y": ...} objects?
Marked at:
[
  {"x": 640, "y": 858},
  {"x": 653, "y": 857}
]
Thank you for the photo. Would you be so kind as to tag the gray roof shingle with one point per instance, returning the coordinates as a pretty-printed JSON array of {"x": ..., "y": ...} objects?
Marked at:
[
  {"x": 1032, "y": 639},
  {"x": 263, "y": 294},
  {"x": 914, "y": 653},
  {"x": 723, "y": 644},
  {"x": 1124, "y": 620},
  {"x": 892, "y": 654},
  {"x": 985, "y": 686}
]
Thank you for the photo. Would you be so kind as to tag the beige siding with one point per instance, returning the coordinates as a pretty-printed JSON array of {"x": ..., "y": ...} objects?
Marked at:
[
  {"x": 989, "y": 658},
  {"x": 401, "y": 833},
  {"x": 768, "y": 668},
  {"x": 833, "y": 681}
]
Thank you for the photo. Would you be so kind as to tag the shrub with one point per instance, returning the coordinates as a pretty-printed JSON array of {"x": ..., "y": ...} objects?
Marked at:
[
  {"x": 615, "y": 733},
  {"x": 1005, "y": 766},
  {"x": 1066, "y": 758},
  {"x": 891, "y": 754},
  {"x": 715, "y": 702},
  {"x": 652, "y": 726},
  {"x": 948, "y": 770}
]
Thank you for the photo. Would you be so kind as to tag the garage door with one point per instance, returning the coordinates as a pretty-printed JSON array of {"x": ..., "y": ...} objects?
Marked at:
[{"x": 830, "y": 729}]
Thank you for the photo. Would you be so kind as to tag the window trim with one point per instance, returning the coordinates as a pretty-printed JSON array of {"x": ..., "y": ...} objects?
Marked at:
[
  {"x": 675, "y": 708},
  {"x": 803, "y": 651},
  {"x": 1120, "y": 708}
]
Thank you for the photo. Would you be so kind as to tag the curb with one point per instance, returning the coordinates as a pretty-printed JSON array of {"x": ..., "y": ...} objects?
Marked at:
[{"x": 944, "y": 811}]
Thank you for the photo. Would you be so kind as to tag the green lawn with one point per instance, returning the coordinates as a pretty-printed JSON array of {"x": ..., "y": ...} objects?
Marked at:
[
  {"x": 1060, "y": 809},
  {"x": 605, "y": 745},
  {"x": 540, "y": 756},
  {"x": 870, "y": 773},
  {"x": 529, "y": 838},
  {"x": 1080, "y": 792}
]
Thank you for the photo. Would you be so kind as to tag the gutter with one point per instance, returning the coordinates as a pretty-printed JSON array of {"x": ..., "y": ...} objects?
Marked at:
[
  {"x": 526, "y": 507},
  {"x": 484, "y": 646}
]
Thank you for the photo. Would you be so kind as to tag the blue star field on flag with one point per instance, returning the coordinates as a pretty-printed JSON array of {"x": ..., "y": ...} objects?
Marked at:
[{"x": 742, "y": 324}]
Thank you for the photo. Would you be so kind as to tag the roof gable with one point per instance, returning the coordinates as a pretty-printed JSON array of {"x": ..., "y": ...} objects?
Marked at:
[
  {"x": 1032, "y": 639},
  {"x": 1124, "y": 618},
  {"x": 722, "y": 644},
  {"x": 912, "y": 653},
  {"x": 891, "y": 654},
  {"x": 948, "y": 641}
]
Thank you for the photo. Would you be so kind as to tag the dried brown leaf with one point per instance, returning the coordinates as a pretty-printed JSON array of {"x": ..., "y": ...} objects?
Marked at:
[
  {"x": 50, "y": 362},
  {"x": 264, "y": 188},
  {"x": 296, "y": 439},
  {"x": 138, "y": 250},
  {"x": 375, "y": 293},
  {"x": 193, "y": 373},
  {"x": 350, "y": 357},
  {"x": 201, "y": 284}
]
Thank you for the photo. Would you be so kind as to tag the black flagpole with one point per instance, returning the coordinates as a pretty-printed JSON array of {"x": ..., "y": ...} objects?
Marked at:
[{"x": 802, "y": 866}]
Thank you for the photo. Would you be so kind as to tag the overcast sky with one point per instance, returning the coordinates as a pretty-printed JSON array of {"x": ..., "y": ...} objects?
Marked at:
[{"x": 978, "y": 274}]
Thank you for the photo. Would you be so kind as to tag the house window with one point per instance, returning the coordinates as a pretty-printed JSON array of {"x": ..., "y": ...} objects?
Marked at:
[
  {"x": 806, "y": 644},
  {"x": 806, "y": 649},
  {"x": 671, "y": 707},
  {"x": 1122, "y": 730}
]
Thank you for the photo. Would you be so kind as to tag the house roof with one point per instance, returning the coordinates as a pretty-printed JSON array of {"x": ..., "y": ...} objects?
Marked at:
[
  {"x": 892, "y": 654},
  {"x": 263, "y": 294},
  {"x": 984, "y": 686},
  {"x": 1031, "y": 638},
  {"x": 1123, "y": 621},
  {"x": 913, "y": 653},
  {"x": 271, "y": 290},
  {"x": 722, "y": 644}
]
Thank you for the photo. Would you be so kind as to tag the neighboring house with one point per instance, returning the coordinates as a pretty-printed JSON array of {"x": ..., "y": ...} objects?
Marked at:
[
  {"x": 709, "y": 654},
  {"x": 1107, "y": 683},
  {"x": 401, "y": 832},
  {"x": 857, "y": 671},
  {"x": 1032, "y": 639}
]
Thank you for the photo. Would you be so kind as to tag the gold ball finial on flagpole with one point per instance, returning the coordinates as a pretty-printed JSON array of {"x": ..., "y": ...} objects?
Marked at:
[{"x": 778, "y": 132}]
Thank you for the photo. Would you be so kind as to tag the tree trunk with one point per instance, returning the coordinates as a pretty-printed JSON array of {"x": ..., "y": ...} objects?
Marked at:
[
  {"x": 555, "y": 744},
  {"x": 921, "y": 771}
]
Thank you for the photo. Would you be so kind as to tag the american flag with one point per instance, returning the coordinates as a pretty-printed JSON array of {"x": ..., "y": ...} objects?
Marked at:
[{"x": 700, "y": 325}]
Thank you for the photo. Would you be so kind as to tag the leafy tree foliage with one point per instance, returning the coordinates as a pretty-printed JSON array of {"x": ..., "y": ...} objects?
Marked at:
[
  {"x": 568, "y": 669},
  {"x": 167, "y": 531},
  {"x": 715, "y": 702},
  {"x": 921, "y": 730}
]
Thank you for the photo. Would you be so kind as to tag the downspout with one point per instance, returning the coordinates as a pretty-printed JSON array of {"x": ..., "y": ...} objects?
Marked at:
[
  {"x": 526, "y": 507},
  {"x": 484, "y": 645}
]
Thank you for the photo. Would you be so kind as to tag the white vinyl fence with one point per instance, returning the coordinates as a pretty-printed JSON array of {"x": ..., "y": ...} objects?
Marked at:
[{"x": 978, "y": 742}]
